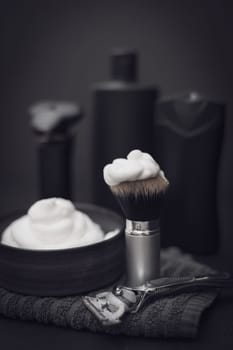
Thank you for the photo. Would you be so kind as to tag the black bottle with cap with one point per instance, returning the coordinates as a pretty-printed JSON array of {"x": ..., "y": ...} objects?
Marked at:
[
  {"x": 123, "y": 119},
  {"x": 53, "y": 123},
  {"x": 188, "y": 140}
]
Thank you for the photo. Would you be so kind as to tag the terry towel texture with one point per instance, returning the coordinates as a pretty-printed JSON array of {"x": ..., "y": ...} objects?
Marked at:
[{"x": 174, "y": 316}]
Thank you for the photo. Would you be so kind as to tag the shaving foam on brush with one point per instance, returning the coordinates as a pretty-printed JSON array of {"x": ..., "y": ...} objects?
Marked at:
[{"x": 139, "y": 186}]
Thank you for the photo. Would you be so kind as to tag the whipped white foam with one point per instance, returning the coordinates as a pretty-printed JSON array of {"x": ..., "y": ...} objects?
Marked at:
[
  {"x": 52, "y": 223},
  {"x": 137, "y": 166},
  {"x": 46, "y": 115}
]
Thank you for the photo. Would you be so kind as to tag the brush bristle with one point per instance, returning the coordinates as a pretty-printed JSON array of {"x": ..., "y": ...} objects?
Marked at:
[
  {"x": 147, "y": 187},
  {"x": 141, "y": 200}
]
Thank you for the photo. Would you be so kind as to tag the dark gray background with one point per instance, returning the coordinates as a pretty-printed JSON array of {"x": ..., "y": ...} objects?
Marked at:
[{"x": 56, "y": 49}]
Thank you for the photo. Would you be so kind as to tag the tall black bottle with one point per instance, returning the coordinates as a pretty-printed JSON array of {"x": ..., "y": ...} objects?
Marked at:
[
  {"x": 54, "y": 124},
  {"x": 123, "y": 119},
  {"x": 188, "y": 139}
]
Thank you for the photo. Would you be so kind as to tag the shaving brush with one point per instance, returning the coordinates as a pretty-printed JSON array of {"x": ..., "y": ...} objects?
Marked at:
[
  {"x": 139, "y": 186},
  {"x": 141, "y": 200}
]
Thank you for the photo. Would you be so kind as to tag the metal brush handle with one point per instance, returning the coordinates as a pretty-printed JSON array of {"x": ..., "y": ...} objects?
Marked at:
[{"x": 142, "y": 251}]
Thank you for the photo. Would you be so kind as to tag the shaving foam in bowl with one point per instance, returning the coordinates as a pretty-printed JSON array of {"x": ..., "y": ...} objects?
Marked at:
[
  {"x": 69, "y": 271},
  {"x": 52, "y": 223}
]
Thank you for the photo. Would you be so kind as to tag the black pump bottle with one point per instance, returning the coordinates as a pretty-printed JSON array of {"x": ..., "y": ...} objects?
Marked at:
[{"x": 188, "y": 140}]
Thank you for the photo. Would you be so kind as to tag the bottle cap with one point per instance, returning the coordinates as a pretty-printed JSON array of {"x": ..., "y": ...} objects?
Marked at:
[{"x": 124, "y": 65}]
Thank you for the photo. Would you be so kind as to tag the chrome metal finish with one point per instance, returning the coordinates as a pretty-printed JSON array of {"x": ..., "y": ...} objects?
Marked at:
[
  {"x": 143, "y": 228},
  {"x": 110, "y": 307},
  {"x": 142, "y": 251}
]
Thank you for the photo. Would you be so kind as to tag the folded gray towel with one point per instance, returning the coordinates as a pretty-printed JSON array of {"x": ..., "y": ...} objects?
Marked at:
[{"x": 174, "y": 316}]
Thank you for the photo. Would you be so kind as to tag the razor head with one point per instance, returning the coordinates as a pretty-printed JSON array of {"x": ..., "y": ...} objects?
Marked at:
[
  {"x": 110, "y": 307},
  {"x": 107, "y": 308}
]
